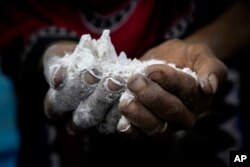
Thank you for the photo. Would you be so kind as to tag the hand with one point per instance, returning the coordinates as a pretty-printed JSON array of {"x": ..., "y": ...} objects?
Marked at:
[
  {"x": 171, "y": 99},
  {"x": 89, "y": 98}
]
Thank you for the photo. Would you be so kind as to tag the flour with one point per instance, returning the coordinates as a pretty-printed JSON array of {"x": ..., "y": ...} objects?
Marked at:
[
  {"x": 101, "y": 55},
  {"x": 185, "y": 70},
  {"x": 93, "y": 102}
]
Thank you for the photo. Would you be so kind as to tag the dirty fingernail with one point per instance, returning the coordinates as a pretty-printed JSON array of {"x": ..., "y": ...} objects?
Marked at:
[
  {"x": 137, "y": 84},
  {"x": 123, "y": 125},
  {"x": 114, "y": 85},
  {"x": 213, "y": 82},
  {"x": 90, "y": 77},
  {"x": 155, "y": 76},
  {"x": 58, "y": 77}
]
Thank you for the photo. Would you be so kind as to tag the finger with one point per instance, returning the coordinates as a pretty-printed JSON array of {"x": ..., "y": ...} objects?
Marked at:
[
  {"x": 176, "y": 82},
  {"x": 210, "y": 70},
  {"x": 92, "y": 76},
  {"x": 60, "y": 48},
  {"x": 164, "y": 104},
  {"x": 142, "y": 118},
  {"x": 53, "y": 54},
  {"x": 58, "y": 78},
  {"x": 128, "y": 130},
  {"x": 109, "y": 124},
  {"x": 92, "y": 111},
  {"x": 213, "y": 78},
  {"x": 50, "y": 106},
  {"x": 123, "y": 124},
  {"x": 68, "y": 97}
]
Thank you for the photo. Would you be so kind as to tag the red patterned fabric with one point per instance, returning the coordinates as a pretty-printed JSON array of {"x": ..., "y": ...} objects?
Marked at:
[{"x": 138, "y": 32}]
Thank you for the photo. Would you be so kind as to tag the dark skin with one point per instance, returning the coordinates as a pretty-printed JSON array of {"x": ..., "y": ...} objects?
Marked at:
[
  {"x": 202, "y": 51},
  {"x": 169, "y": 96}
]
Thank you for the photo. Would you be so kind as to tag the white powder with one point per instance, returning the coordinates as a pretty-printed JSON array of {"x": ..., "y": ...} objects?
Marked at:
[
  {"x": 185, "y": 70},
  {"x": 84, "y": 114},
  {"x": 101, "y": 55}
]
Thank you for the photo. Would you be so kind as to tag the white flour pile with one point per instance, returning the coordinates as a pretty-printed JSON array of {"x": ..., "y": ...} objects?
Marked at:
[
  {"x": 101, "y": 55},
  {"x": 89, "y": 102}
]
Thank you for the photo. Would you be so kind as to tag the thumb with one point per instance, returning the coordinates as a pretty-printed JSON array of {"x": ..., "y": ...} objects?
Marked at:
[
  {"x": 208, "y": 83},
  {"x": 211, "y": 76}
]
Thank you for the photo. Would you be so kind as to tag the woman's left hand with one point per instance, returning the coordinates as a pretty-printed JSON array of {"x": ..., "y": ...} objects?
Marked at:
[{"x": 168, "y": 98}]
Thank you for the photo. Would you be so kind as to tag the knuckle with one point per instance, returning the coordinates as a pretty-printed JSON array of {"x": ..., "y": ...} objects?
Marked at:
[
  {"x": 172, "y": 112},
  {"x": 130, "y": 110},
  {"x": 137, "y": 84},
  {"x": 51, "y": 49},
  {"x": 174, "y": 41},
  {"x": 200, "y": 47}
]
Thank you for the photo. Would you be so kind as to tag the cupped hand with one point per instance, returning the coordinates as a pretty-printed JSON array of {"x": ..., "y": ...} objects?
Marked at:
[
  {"x": 90, "y": 98},
  {"x": 167, "y": 98}
]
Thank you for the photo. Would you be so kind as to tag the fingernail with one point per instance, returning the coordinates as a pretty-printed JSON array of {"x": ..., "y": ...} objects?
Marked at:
[
  {"x": 71, "y": 128},
  {"x": 213, "y": 82},
  {"x": 58, "y": 77},
  {"x": 125, "y": 128},
  {"x": 156, "y": 75},
  {"x": 164, "y": 127},
  {"x": 123, "y": 125},
  {"x": 114, "y": 85},
  {"x": 209, "y": 83},
  {"x": 90, "y": 77},
  {"x": 137, "y": 84}
]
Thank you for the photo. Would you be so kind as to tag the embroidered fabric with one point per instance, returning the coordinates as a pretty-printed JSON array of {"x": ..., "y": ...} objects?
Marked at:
[{"x": 98, "y": 22}]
